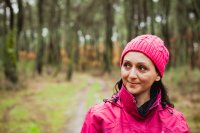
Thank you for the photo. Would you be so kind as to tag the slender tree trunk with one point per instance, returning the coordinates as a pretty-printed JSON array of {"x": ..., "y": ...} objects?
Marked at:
[
  {"x": 40, "y": 53},
  {"x": 20, "y": 16},
  {"x": 145, "y": 16},
  {"x": 196, "y": 32},
  {"x": 138, "y": 18},
  {"x": 192, "y": 57},
  {"x": 30, "y": 22},
  {"x": 69, "y": 48},
  {"x": 182, "y": 25},
  {"x": 109, "y": 18},
  {"x": 129, "y": 17},
  {"x": 20, "y": 23},
  {"x": 152, "y": 16},
  {"x": 165, "y": 24}
]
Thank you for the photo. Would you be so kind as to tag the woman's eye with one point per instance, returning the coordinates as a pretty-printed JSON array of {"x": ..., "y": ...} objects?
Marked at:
[
  {"x": 127, "y": 65},
  {"x": 142, "y": 68}
]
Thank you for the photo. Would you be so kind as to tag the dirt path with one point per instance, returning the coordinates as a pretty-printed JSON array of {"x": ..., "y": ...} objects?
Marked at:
[{"x": 75, "y": 124}]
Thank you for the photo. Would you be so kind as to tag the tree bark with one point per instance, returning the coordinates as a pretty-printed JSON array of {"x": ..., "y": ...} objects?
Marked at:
[
  {"x": 109, "y": 18},
  {"x": 152, "y": 16},
  {"x": 144, "y": 16},
  {"x": 10, "y": 64},
  {"x": 129, "y": 17},
  {"x": 69, "y": 46},
  {"x": 20, "y": 23},
  {"x": 40, "y": 53},
  {"x": 165, "y": 24},
  {"x": 54, "y": 41}
]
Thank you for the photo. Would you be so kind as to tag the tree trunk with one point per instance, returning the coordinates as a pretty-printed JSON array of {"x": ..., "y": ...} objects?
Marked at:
[
  {"x": 165, "y": 24},
  {"x": 40, "y": 53},
  {"x": 30, "y": 23},
  {"x": 144, "y": 4},
  {"x": 109, "y": 18},
  {"x": 20, "y": 23},
  {"x": 54, "y": 41},
  {"x": 129, "y": 18},
  {"x": 68, "y": 41},
  {"x": 152, "y": 16},
  {"x": 182, "y": 26},
  {"x": 196, "y": 33},
  {"x": 10, "y": 64}
]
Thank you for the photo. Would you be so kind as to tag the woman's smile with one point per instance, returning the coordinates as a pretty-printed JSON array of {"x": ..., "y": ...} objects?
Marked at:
[{"x": 133, "y": 83}]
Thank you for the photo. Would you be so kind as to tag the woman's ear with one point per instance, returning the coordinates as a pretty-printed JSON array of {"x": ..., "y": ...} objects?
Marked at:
[{"x": 158, "y": 77}]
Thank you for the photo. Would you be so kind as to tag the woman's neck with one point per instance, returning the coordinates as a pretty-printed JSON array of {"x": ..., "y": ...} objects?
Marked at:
[{"x": 142, "y": 98}]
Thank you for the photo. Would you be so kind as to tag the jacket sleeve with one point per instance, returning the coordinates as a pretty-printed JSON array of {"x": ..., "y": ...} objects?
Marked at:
[
  {"x": 182, "y": 127},
  {"x": 92, "y": 123}
]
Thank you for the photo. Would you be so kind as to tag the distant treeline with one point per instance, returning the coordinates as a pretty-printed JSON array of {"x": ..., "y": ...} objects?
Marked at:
[{"x": 82, "y": 34}]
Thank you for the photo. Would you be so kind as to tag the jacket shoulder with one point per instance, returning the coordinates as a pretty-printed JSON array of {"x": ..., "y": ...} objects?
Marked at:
[
  {"x": 98, "y": 107},
  {"x": 97, "y": 116},
  {"x": 105, "y": 108},
  {"x": 175, "y": 120},
  {"x": 182, "y": 125},
  {"x": 93, "y": 120}
]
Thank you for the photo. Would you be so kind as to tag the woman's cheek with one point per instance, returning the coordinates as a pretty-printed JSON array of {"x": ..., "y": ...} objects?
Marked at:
[{"x": 124, "y": 73}]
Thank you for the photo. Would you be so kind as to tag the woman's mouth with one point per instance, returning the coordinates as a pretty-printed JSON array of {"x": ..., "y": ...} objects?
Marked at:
[{"x": 133, "y": 83}]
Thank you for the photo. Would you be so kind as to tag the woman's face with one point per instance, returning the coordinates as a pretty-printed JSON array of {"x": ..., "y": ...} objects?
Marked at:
[{"x": 138, "y": 73}]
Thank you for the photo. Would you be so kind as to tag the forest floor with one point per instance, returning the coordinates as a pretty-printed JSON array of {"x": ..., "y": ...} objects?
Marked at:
[{"x": 50, "y": 104}]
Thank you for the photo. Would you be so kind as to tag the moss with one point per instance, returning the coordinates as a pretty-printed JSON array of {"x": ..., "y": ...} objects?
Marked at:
[{"x": 10, "y": 61}]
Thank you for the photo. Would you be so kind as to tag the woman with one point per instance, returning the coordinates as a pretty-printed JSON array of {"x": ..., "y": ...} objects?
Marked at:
[{"x": 141, "y": 104}]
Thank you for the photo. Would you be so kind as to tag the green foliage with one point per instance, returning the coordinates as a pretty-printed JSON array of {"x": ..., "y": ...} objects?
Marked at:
[
  {"x": 24, "y": 127},
  {"x": 9, "y": 102},
  {"x": 10, "y": 54},
  {"x": 34, "y": 128},
  {"x": 19, "y": 113},
  {"x": 10, "y": 63}
]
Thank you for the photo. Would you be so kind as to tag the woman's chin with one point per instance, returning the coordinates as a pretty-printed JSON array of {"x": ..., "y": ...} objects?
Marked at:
[{"x": 132, "y": 90}]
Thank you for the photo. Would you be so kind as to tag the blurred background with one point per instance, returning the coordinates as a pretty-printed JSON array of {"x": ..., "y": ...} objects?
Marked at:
[{"x": 60, "y": 57}]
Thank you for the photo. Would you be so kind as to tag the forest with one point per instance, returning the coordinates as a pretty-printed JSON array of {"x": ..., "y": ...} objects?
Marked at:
[{"x": 59, "y": 57}]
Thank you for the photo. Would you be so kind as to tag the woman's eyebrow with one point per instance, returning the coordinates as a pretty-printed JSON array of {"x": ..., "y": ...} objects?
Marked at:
[{"x": 139, "y": 62}]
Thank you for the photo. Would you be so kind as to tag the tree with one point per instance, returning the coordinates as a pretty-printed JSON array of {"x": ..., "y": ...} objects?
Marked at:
[
  {"x": 129, "y": 17},
  {"x": 165, "y": 12},
  {"x": 10, "y": 63},
  {"x": 20, "y": 22},
  {"x": 151, "y": 10},
  {"x": 109, "y": 19},
  {"x": 40, "y": 53},
  {"x": 54, "y": 36},
  {"x": 69, "y": 41}
]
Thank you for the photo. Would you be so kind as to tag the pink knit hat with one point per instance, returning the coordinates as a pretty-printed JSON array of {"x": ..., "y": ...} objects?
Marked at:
[{"x": 153, "y": 47}]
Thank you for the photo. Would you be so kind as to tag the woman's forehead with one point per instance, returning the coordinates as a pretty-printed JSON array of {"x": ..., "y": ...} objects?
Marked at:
[{"x": 134, "y": 56}]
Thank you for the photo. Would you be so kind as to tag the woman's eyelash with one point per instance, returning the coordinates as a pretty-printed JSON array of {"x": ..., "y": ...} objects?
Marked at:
[
  {"x": 142, "y": 67},
  {"x": 127, "y": 65}
]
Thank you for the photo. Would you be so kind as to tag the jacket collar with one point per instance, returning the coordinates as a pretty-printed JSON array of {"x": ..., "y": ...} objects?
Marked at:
[{"x": 129, "y": 102}]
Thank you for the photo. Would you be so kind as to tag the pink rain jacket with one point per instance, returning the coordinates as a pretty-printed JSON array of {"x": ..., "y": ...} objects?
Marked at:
[{"x": 121, "y": 116}]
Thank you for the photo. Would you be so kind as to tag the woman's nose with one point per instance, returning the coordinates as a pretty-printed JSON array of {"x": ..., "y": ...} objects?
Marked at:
[{"x": 133, "y": 73}]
